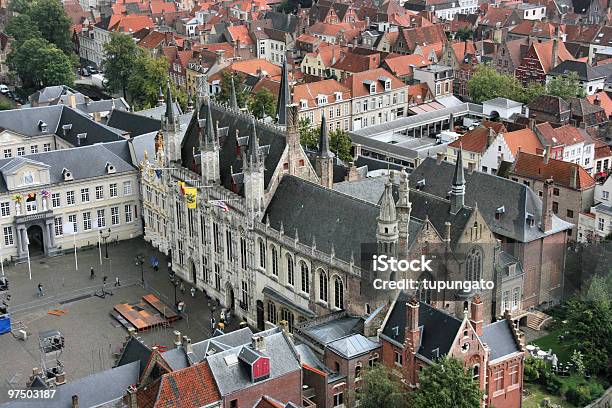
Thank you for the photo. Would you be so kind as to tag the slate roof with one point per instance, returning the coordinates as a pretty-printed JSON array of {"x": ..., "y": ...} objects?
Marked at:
[
  {"x": 228, "y": 160},
  {"x": 490, "y": 192},
  {"x": 133, "y": 351},
  {"x": 133, "y": 123},
  {"x": 585, "y": 71},
  {"x": 84, "y": 163},
  {"x": 353, "y": 346},
  {"x": 549, "y": 104},
  {"x": 438, "y": 329},
  {"x": 499, "y": 338},
  {"x": 231, "y": 378},
  {"x": 114, "y": 382},
  {"x": 330, "y": 331}
]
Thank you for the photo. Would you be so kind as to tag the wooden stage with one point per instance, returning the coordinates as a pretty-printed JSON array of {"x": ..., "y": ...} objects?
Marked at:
[{"x": 149, "y": 313}]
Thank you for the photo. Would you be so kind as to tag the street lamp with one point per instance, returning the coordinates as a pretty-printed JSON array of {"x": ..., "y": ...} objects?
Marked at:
[
  {"x": 140, "y": 261},
  {"x": 105, "y": 237}
]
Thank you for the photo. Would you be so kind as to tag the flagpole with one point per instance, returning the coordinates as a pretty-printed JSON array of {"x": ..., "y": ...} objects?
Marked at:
[
  {"x": 28, "y": 253},
  {"x": 76, "y": 263}
]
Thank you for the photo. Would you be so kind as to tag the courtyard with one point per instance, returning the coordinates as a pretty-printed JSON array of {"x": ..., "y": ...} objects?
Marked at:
[{"x": 92, "y": 336}]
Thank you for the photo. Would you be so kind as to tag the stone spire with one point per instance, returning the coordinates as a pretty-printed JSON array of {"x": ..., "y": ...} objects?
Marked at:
[
  {"x": 324, "y": 162},
  {"x": 457, "y": 195},
  {"x": 170, "y": 117},
  {"x": 233, "y": 98},
  {"x": 253, "y": 170},
  {"x": 189, "y": 103},
  {"x": 284, "y": 96},
  {"x": 404, "y": 208},
  {"x": 171, "y": 128},
  {"x": 210, "y": 129},
  {"x": 209, "y": 148},
  {"x": 387, "y": 231},
  {"x": 254, "y": 156}
]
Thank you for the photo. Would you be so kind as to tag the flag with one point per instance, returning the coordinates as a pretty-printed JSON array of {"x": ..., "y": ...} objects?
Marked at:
[
  {"x": 191, "y": 194},
  {"x": 221, "y": 204},
  {"x": 158, "y": 173},
  {"x": 181, "y": 185}
]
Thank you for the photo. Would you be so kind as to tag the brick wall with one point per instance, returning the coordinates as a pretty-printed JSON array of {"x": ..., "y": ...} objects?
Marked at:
[{"x": 286, "y": 388}]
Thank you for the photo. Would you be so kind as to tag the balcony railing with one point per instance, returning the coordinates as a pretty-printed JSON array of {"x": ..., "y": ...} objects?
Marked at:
[{"x": 40, "y": 215}]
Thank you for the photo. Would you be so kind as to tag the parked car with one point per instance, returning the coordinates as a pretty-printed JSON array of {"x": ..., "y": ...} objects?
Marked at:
[
  {"x": 4, "y": 89},
  {"x": 92, "y": 70},
  {"x": 85, "y": 72}
]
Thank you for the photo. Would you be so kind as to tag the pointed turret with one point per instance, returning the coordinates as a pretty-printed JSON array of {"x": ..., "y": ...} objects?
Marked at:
[
  {"x": 210, "y": 129},
  {"x": 253, "y": 170},
  {"x": 457, "y": 195},
  {"x": 169, "y": 105},
  {"x": 253, "y": 152},
  {"x": 189, "y": 103},
  {"x": 233, "y": 98},
  {"x": 160, "y": 97},
  {"x": 284, "y": 96},
  {"x": 387, "y": 231},
  {"x": 209, "y": 147},
  {"x": 171, "y": 128},
  {"x": 324, "y": 162},
  {"x": 404, "y": 208}
]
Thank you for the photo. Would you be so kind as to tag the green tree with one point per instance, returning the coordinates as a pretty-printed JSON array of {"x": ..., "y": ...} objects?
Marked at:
[
  {"x": 144, "y": 82},
  {"x": 380, "y": 388},
  {"x": 262, "y": 102},
  {"x": 565, "y": 86},
  {"x": 309, "y": 136},
  {"x": 226, "y": 88},
  {"x": 22, "y": 28},
  {"x": 445, "y": 383},
  {"x": 487, "y": 83},
  {"x": 52, "y": 21},
  {"x": 120, "y": 57},
  {"x": 20, "y": 6},
  {"x": 40, "y": 64},
  {"x": 5, "y": 105},
  {"x": 464, "y": 34},
  {"x": 340, "y": 143}
]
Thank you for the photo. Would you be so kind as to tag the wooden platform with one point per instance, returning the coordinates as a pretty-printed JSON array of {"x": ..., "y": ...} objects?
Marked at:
[
  {"x": 165, "y": 310},
  {"x": 138, "y": 316}
]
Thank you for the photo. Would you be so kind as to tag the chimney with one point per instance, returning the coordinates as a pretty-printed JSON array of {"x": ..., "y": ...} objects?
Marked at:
[
  {"x": 490, "y": 137},
  {"x": 555, "y": 48},
  {"x": 72, "y": 101},
  {"x": 439, "y": 157},
  {"x": 132, "y": 398},
  {"x": 75, "y": 401},
  {"x": 187, "y": 345},
  {"x": 177, "y": 339},
  {"x": 574, "y": 177},
  {"x": 597, "y": 101},
  {"x": 546, "y": 154},
  {"x": 532, "y": 124},
  {"x": 447, "y": 231},
  {"x": 476, "y": 312},
  {"x": 411, "y": 330},
  {"x": 352, "y": 172},
  {"x": 258, "y": 343},
  {"x": 546, "y": 222}
]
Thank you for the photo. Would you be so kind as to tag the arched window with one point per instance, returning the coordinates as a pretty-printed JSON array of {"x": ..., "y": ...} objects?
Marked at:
[
  {"x": 338, "y": 293},
  {"x": 290, "y": 274},
  {"x": 476, "y": 372},
  {"x": 323, "y": 281},
  {"x": 274, "y": 261},
  {"x": 262, "y": 254},
  {"x": 473, "y": 265},
  {"x": 358, "y": 371},
  {"x": 272, "y": 313},
  {"x": 305, "y": 277}
]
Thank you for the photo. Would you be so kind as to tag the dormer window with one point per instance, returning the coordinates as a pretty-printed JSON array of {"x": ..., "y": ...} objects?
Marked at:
[
  {"x": 530, "y": 220},
  {"x": 338, "y": 96},
  {"x": 386, "y": 82},
  {"x": 67, "y": 175},
  {"x": 303, "y": 103},
  {"x": 321, "y": 99},
  {"x": 42, "y": 126},
  {"x": 372, "y": 89},
  {"x": 499, "y": 212},
  {"x": 110, "y": 168}
]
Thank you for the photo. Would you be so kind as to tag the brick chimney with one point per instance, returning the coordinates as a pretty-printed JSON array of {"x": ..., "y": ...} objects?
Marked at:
[
  {"x": 411, "y": 331},
  {"x": 597, "y": 101},
  {"x": 546, "y": 223},
  {"x": 476, "y": 313}
]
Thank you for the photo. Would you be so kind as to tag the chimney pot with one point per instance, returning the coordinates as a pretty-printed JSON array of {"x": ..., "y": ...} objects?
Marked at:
[
  {"x": 476, "y": 314},
  {"x": 177, "y": 339},
  {"x": 75, "y": 401},
  {"x": 439, "y": 157}
]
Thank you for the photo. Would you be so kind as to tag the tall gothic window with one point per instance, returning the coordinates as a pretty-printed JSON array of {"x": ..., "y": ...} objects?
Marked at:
[
  {"x": 323, "y": 285},
  {"x": 274, "y": 254},
  {"x": 290, "y": 274},
  {"x": 272, "y": 313},
  {"x": 262, "y": 254},
  {"x": 305, "y": 277},
  {"x": 473, "y": 265},
  {"x": 338, "y": 293}
]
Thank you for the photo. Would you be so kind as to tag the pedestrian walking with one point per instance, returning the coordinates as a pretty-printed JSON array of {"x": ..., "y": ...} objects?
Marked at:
[
  {"x": 117, "y": 283},
  {"x": 212, "y": 323},
  {"x": 193, "y": 292},
  {"x": 222, "y": 317},
  {"x": 92, "y": 274},
  {"x": 221, "y": 326},
  {"x": 228, "y": 316},
  {"x": 40, "y": 290},
  {"x": 182, "y": 287}
]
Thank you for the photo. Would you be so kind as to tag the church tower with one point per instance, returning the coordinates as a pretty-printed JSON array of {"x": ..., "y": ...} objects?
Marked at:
[
  {"x": 325, "y": 158},
  {"x": 387, "y": 234},
  {"x": 209, "y": 148},
  {"x": 253, "y": 169},
  {"x": 403, "y": 208},
  {"x": 171, "y": 128},
  {"x": 457, "y": 194}
]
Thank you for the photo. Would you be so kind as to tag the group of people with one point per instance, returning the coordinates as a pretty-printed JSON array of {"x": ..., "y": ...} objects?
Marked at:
[
  {"x": 92, "y": 275},
  {"x": 224, "y": 319}
]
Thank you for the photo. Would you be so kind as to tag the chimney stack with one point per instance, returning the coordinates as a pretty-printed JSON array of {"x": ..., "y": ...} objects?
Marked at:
[
  {"x": 555, "y": 48},
  {"x": 258, "y": 343},
  {"x": 476, "y": 314},
  {"x": 546, "y": 154},
  {"x": 447, "y": 231},
  {"x": 574, "y": 177},
  {"x": 597, "y": 101},
  {"x": 490, "y": 137},
  {"x": 546, "y": 222},
  {"x": 177, "y": 339},
  {"x": 411, "y": 330},
  {"x": 75, "y": 401}
]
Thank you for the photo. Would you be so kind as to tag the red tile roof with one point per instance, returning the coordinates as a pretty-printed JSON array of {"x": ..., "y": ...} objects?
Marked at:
[
  {"x": 473, "y": 141},
  {"x": 357, "y": 63},
  {"x": 190, "y": 387},
  {"x": 525, "y": 140},
  {"x": 160, "y": 6},
  {"x": 130, "y": 23},
  {"x": 565, "y": 135},
  {"x": 240, "y": 32},
  {"x": 356, "y": 81},
  {"x": 403, "y": 64},
  {"x": 423, "y": 36},
  {"x": 328, "y": 87},
  {"x": 535, "y": 28},
  {"x": 544, "y": 53},
  {"x": 533, "y": 166},
  {"x": 604, "y": 101}
]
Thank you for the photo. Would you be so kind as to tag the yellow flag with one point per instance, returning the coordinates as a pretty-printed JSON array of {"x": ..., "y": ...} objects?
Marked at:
[{"x": 191, "y": 194}]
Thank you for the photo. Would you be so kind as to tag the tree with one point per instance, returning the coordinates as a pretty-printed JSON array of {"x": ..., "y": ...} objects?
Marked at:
[
  {"x": 340, "y": 143},
  {"x": 40, "y": 64},
  {"x": 226, "y": 88},
  {"x": 464, "y": 34},
  {"x": 309, "y": 137},
  {"x": 445, "y": 383},
  {"x": 487, "y": 83},
  {"x": 22, "y": 28},
  {"x": 5, "y": 105},
  {"x": 262, "y": 102},
  {"x": 147, "y": 76},
  {"x": 51, "y": 19},
  {"x": 565, "y": 86},
  {"x": 20, "y": 6},
  {"x": 379, "y": 388},
  {"x": 120, "y": 56}
]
